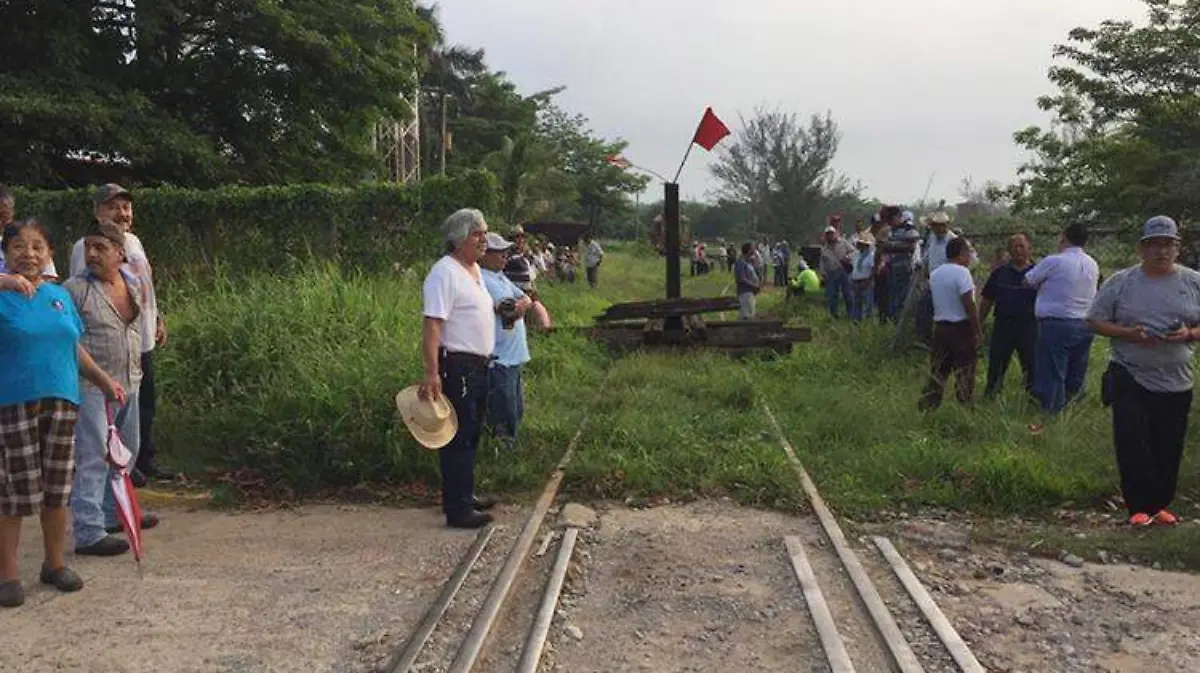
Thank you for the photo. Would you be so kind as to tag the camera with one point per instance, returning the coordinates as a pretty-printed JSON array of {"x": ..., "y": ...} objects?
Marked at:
[{"x": 508, "y": 313}]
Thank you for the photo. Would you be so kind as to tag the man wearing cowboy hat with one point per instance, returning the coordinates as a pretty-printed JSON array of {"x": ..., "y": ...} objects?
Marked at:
[
  {"x": 935, "y": 242},
  {"x": 457, "y": 343},
  {"x": 506, "y": 404},
  {"x": 862, "y": 277}
]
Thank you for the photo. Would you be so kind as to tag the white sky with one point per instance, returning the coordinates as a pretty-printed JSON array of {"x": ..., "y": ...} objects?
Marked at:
[{"x": 917, "y": 86}]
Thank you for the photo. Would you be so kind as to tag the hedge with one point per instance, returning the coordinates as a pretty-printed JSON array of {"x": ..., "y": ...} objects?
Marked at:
[{"x": 369, "y": 227}]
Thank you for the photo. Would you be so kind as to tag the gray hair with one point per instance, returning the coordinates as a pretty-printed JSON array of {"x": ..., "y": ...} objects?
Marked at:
[{"x": 461, "y": 224}]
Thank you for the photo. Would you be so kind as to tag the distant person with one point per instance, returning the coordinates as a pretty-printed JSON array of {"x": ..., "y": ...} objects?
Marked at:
[
  {"x": 880, "y": 230},
  {"x": 956, "y": 331},
  {"x": 506, "y": 401},
  {"x": 593, "y": 255},
  {"x": 806, "y": 282},
  {"x": 39, "y": 405},
  {"x": 106, "y": 297},
  {"x": 836, "y": 263},
  {"x": 1150, "y": 312},
  {"x": 749, "y": 283},
  {"x": 936, "y": 240},
  {"x": 862, "y": 278},
  {"x": 1066, "y": 285},
  {"x": 457, "y": 342},
  {"x": 731, "y": 255},
  {"x": 8, "y": 207},
  {"x": 1016, "y": 327},
  {"x": 903, "y": 250}
]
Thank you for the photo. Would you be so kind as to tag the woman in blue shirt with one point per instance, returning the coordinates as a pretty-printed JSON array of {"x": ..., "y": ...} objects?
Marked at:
[{"x": 40, "y": 365}]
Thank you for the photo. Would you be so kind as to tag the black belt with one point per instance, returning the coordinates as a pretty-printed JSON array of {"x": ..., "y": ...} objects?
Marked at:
[
  {"x": 947, "y": 323},
  {"x": 470, "y": 358}
]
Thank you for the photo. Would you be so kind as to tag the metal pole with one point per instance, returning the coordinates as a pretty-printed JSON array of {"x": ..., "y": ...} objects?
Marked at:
[
  {"x": 671, "y": 237},
  {"x": 444, "y": 132}
]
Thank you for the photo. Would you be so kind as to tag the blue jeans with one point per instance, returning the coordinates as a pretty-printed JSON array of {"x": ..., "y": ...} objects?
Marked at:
[
  {"x": 1061, "y": 361},
  {"x": 837, "y": 286},
  {"x": 862, "y": 295},
  {"x": 465, "y": 385},
  {"x": 92, "y": 505},
  {"x": 506, "y": 400}
]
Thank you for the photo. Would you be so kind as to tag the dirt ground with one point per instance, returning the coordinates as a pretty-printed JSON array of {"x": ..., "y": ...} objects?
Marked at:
[
  {"x": 704, "y": 587},
  {"x": 294, "y": 590}
]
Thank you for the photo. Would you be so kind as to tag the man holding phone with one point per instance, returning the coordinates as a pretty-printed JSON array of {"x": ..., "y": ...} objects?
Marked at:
[{"x": 1151, "y": 312}]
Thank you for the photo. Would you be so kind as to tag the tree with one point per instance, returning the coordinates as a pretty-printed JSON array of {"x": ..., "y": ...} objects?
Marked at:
[
  {"x": 200, "y": 91},
  {"x": 1125, "y": 142},
  {"x": 783, "y": 169}
]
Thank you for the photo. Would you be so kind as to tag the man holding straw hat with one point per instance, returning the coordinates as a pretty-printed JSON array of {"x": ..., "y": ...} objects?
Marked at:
[{"x": 457, "y": 343}]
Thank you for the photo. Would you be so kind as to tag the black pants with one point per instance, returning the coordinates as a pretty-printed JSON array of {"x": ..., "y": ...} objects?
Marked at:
[
  {"x": 1148, "y": 432},
  {"x": 1011, "y": 336},
  {"x": 593, "y": 275},
  {"x": 953, "y": 353},
  {"x": 465, "y": 384},
  {"x": 146, "y": 407}
]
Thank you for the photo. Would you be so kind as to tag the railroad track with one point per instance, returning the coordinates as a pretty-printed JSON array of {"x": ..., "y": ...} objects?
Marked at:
[{"x": 867, "y": 610}]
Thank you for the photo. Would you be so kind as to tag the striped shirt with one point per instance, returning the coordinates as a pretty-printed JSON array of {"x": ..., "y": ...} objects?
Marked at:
[{"x": 115, "y": 345}]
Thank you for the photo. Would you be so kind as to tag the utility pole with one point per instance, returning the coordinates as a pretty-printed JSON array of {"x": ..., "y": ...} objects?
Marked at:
[{"x": 444, "y": 139}]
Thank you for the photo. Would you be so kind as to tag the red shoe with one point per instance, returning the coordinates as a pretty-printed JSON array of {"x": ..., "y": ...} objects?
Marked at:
[
  {"x": 1166, "y": 518},
  {"x": 1141, "y": 520}
]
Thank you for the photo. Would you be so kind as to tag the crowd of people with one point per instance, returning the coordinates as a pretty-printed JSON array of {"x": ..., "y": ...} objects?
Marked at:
[
  {"x": 78, "y": 358},
  {"x": 1045, "y": 312}
]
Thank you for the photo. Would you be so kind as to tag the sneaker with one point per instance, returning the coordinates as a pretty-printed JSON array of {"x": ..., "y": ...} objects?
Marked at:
[
  {"x": 64, "y": 579},
  {"x": 149, "y": 520},
  {"x": 472, "y": 520},
  {"x": 12, "y": 594},
  {"x": 1141, "y": 519},
  {"x": 109, "y": 545},
  {"x": 1166, "y": 518},
  {"x": 483, "y": 503}
]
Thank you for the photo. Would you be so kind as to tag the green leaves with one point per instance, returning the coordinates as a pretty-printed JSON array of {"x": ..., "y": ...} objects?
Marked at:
[{"x": 1125, "y": 143}]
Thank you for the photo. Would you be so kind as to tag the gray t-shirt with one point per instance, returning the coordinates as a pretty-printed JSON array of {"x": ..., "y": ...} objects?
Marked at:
[{"x": 1132, "y": 298}]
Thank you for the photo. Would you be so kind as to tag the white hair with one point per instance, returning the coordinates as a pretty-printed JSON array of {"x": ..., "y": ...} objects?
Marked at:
[{"x": 461, "y": 224}]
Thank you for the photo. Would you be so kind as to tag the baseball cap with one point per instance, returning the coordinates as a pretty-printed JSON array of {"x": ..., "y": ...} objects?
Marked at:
[
  {"x": 1160, "y": 227},
  {"x": 497, "y": 243},
  {"x": 109, "y": 192},
  {"x": 830, "y": 230}
]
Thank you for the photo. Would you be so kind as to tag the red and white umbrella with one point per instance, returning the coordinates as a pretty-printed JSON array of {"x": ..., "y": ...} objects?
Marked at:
[{"x": 129, "y": 513}]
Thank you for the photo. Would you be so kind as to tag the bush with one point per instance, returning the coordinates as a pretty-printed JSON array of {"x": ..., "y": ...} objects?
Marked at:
[
  {"x": 295, "y": 377},
  {"x": 240, "y": 229}
]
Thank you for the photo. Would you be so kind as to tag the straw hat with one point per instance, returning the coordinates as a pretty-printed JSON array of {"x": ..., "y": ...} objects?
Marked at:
[{"x": 432, "y": 423}]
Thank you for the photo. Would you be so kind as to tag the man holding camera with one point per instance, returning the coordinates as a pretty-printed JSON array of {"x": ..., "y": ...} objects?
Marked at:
[{"x": 506, "y": 402}]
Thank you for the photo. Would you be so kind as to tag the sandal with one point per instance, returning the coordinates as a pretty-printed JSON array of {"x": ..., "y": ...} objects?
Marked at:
[
  {"x": 12, "y": 594},
  {"x": 64, "y": 579}
]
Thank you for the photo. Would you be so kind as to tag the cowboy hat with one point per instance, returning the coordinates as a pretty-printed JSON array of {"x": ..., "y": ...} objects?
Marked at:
[{"x": 433, "y": 423}]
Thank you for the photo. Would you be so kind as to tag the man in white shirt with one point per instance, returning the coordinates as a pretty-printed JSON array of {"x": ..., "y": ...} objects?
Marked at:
[
  {"x": 113, "y": 203},
  {"x": 956, "y": 333},
  {"x": 457, "y": 343},
  {"x": 593, "y": 254}
]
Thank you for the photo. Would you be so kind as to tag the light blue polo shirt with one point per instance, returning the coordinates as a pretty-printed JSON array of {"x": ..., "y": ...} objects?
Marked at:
[
  {"x": 39, "y": 337},
  {"x": 512, "y": 347}
]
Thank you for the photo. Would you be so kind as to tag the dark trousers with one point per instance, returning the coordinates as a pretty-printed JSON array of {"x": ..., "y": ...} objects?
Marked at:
[
  {"x": 465, "y": 384},
  {"x": 147, "y": 403},
  {"x": 593, "y": 275},
  {"x": 1061, "y": 365},
  {"x": 506, "y": 400},
  {"x": 837, "y": 288},
  {"x": 1148, "y": 432},
  {"x": 953, "y": 353},
  {"x": 882, "y": 296},
  {"x": 1011, "y": 336}
]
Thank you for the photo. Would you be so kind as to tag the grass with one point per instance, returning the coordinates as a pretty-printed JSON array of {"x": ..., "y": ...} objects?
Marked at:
[{"x": 293, "y": 378}]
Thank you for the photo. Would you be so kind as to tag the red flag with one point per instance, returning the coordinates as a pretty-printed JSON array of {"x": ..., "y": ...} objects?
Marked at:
[
  {"x": 711, "y": 131},
  {"x": 619, "y": 161}
]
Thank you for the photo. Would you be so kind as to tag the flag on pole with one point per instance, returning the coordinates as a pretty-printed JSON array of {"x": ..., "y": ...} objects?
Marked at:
[
  {"x": 619, "y": 161},
  {"x": 710, "y": 131}
]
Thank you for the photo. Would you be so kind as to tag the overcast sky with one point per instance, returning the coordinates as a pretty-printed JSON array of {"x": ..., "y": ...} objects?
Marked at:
[{"x": 918, "y": 87}]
